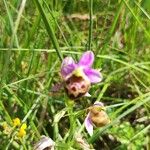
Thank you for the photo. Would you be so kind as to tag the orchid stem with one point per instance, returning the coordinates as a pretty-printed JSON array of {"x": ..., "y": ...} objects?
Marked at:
[{"x": 70, "y": 104}]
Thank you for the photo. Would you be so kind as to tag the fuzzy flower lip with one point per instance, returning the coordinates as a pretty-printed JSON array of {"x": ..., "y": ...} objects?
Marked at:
[
  {"x": 69, "y": 67},
  {"x": 88, "y": 121}
]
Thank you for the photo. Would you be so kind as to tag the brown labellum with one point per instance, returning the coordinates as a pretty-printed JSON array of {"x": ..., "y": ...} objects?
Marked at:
[
  {"x": 76, "y": 86},
  {"x": 98, "y": 116}
]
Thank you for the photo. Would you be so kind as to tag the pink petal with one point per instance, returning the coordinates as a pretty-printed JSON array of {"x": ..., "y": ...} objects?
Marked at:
[
  {"x": 86, "y": 59},
  {"x": 88, "y": 125},
  {"x": 67, "y": 67},
  {"x": 93, "y": 74},
  {"x": 99, "y": 103}
]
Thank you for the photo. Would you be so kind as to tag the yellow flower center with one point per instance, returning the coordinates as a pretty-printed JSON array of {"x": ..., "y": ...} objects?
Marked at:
[
  {"x": 99, "y": 108},
  {"x": 78, "y": 72}
]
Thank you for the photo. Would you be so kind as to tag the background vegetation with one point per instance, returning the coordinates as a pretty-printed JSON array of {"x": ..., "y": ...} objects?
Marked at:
[{"x": 34, "y": 37}]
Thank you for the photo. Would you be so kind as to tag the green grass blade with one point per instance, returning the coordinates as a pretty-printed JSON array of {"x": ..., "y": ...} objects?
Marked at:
[
  {"x": 137, "y": 19},
  {"x": 90, "y": 24},
  {"x": 49, "y": 28}
]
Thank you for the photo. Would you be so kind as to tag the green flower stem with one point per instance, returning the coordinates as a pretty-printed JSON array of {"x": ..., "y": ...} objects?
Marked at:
[
  {"x": 72, "y": 119},
  {"x": 56, "y": 129},
  {"x": 49, "y": 28}
]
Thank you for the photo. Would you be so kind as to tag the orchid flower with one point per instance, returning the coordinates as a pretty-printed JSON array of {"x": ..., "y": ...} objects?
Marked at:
[
  {"x": 96, "y": 117},
  {"x": 79, "y": 76},
  {"x": 83, "y": 67}
]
